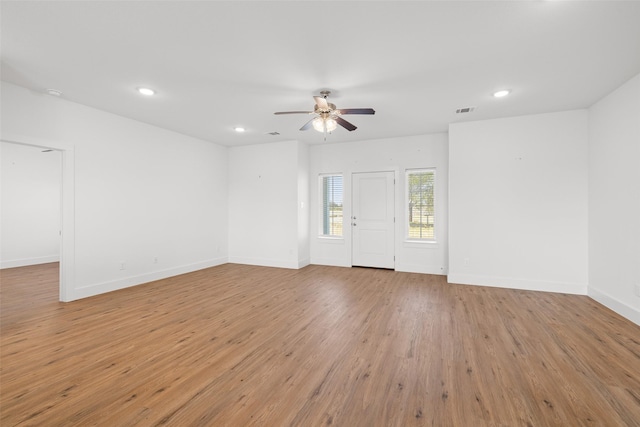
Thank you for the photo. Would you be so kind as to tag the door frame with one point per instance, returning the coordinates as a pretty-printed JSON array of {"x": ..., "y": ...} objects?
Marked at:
[
  {"x": 395, "y": 171},
  {"x": 67, "y": 208}
]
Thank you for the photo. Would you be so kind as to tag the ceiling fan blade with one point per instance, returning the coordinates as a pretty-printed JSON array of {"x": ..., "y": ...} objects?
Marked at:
[
  {"x": 293, "y": 112},
  {"x": 321, "y": 102},
  {"x": 308, "y": 124},
  {"x": 345, "y": 124},
  {"x": 357, "y": 111}
]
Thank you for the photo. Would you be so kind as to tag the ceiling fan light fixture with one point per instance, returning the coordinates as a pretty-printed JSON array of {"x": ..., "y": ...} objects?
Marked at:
[
  {"x": 330, "y": 124},
  {"x": 318, "y": 124},
  {"x": 328, "y": 117},
  {"x": 324, "y": 124}
]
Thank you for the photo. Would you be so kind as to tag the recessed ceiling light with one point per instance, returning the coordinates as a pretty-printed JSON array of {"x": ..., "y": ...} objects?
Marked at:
[
  {"x": 501, "y": 93},
  {"x": 146, "y": 91},
  {"x": 239, "y": 129}
]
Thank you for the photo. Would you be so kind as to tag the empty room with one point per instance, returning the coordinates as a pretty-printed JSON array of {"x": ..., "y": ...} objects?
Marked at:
[{"x": 306, "y": 213}]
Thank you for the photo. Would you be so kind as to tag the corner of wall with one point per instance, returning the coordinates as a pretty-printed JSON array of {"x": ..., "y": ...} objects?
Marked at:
[{"x": 614, "y": 304}]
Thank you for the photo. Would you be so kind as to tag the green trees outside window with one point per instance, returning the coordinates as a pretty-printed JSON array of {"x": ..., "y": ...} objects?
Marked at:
[
  {"x": 421, "y": 207},
  {"x": 331, "y": 205}
]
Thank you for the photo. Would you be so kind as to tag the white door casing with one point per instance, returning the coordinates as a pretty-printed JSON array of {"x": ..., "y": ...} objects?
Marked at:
[
  {"x": 372, "y": 220},
  {"x": 67, "y": 220}
]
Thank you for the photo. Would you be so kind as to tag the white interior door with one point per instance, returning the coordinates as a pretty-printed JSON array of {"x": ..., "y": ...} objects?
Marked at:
[{"x": 372, "y": 221}]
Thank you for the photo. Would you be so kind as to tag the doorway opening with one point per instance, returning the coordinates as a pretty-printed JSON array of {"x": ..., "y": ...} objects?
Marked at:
[{"x": 66, "y": 207}]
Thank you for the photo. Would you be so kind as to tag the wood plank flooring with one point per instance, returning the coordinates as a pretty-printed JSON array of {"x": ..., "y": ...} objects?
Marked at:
[{"x": 240, "y": 345}]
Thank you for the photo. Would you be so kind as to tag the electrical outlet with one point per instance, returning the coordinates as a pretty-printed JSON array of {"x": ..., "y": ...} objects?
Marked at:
[
  {"x": 466, "y": 262},
  {"x": 155, "y": 260},
  {"x": 123, "y": 266},
  {"x": 638, "y": 290}
]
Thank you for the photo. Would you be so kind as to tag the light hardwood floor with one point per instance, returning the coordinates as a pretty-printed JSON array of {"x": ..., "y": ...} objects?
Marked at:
[{"x": 242, "y": 345}]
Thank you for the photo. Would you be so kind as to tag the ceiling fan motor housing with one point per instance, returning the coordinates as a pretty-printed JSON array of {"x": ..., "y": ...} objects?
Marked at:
[{"x": 318, "y": 110}]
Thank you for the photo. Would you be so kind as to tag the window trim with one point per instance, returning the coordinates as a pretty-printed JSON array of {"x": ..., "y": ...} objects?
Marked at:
[{"x": 414, "y": 240}]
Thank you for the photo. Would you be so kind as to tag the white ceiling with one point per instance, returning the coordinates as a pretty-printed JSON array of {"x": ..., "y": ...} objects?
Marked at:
[{"x": 221, "y": 64}]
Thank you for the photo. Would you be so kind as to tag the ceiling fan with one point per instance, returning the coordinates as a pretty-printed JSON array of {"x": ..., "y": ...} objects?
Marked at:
[{"x": 327, "y": 115}]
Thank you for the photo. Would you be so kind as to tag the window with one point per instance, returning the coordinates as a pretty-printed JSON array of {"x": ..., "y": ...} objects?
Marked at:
[
  {"x": 331, "y": 193},
  {"x": 420, "y": 204}
]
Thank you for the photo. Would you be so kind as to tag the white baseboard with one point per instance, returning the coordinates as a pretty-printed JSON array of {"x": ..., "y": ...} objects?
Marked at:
[
  {"x": 303, "y": 263},
  {"x": 29, "y": 261},
  {"x": 616, "y": 305},
  {"x": 126, "y": 282},
  {"x": 332, "y": 262},
  {"x": 422, "y": 269},
  {"x": 265, "y": 262},
  {"x": 514, "y": 283}
]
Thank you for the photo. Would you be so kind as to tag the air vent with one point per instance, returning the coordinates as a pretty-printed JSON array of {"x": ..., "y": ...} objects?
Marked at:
[
  {"x": 54, "y": 92},
  {"x": 465, "y": 110},
  {"x": 273, "y": 133}
]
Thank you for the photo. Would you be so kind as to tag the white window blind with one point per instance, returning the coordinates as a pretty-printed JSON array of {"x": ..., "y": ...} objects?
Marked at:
[
  {"x": 331, "y": 193},
  {"x": 421, "y": 204}
]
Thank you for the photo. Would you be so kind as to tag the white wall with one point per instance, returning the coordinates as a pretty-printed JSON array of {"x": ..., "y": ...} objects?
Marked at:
[
  {"x": 537, "y": 202},
  {"x": 614, "y": 200},
  {"x": 267, "y": 204},
  {"x": 30, "y": 207},
  {"x": 518, "y": 202},
  {"x": 303, "y": 205},
  {"x": 397, "y": 155},
  {"x": 141, "y": 193}
]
